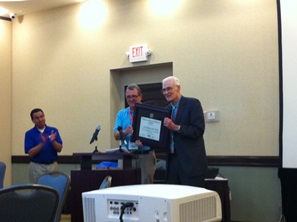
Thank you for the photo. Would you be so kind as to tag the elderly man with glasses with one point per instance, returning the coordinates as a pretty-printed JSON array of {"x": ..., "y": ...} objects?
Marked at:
[
  {"x": 124, "y": 120},
  {"x": 187, "y": 163}
]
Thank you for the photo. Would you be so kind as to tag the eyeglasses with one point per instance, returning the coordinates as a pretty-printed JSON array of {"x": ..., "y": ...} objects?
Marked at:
[
  {"x": 132, "y": 97},
  {"x": 168, "y": 89}
]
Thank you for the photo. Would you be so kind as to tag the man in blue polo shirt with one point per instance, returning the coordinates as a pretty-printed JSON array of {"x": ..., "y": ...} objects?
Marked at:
[
  {"x": 124, "y": 119},
  {"x": 42, "y": 144}
]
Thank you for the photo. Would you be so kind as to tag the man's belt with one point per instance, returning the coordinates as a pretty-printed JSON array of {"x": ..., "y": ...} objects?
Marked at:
[{"x": 46, "y": 163}]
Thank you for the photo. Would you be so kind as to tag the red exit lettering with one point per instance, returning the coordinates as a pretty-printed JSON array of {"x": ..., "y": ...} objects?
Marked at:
[{"x": 137, "y": 51}]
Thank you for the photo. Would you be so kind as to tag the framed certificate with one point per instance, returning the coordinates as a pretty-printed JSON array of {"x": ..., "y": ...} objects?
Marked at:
[{"x": 148, "y": 125}]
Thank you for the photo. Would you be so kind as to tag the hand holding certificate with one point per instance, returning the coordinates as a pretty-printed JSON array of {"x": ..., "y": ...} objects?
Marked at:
[{"x": 148, "y": 125}]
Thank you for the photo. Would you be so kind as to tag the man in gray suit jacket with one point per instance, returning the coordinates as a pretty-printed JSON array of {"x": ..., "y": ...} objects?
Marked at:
[{"x": 187, "y": 163}]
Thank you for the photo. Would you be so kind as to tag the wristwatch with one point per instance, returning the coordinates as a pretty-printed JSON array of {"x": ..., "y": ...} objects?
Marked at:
[{"x": 178, "y": 129}]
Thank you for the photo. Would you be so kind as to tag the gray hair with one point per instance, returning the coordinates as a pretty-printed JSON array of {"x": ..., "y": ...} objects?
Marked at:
[
  {"x": 176, "y": 80},
  {"x": 134, "y": 86}
]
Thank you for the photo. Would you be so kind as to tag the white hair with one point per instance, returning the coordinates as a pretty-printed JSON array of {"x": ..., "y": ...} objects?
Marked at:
[{"x": 176, "y": 80}]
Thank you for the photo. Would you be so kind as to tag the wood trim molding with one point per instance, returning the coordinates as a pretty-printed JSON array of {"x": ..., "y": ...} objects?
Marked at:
[
  {"x": 257, "y": 161},
  {"x": 251, "y": 161}
]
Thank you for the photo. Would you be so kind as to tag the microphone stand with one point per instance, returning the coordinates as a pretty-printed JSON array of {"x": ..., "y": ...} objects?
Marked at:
[
  {"x": 120, "y": 147},
  {"x": 122, "y": 138},
  {"x": 96, "y": 150}
]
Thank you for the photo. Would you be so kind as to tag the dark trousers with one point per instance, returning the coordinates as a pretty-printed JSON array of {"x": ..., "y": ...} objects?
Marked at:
[{"x": 176, "y": 175}]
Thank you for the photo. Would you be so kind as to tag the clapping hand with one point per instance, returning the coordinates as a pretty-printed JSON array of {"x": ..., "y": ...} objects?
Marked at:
[{"x": 53, "y": 136}]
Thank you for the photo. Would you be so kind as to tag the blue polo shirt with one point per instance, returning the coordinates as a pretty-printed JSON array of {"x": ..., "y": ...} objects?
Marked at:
[
  {"x": 124, "y": 118},
  {"x": 48, "y": 153}
]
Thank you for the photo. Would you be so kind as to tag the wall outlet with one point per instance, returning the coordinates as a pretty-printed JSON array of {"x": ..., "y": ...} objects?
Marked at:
[{"x": 211, "y": 116}]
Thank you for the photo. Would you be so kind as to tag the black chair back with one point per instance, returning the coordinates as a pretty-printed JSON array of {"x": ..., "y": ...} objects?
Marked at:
[{"x": 28, "y": 203}]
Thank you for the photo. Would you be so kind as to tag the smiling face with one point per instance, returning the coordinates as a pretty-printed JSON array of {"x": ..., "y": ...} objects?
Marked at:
[
  {"x": 171, "y": 90},
  {"x": 132, "y": 97},
  {"x": 38, "y": 119}
]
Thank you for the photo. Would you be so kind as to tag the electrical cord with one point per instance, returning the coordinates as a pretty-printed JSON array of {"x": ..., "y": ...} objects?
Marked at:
[{"x": 123, "y": 208}]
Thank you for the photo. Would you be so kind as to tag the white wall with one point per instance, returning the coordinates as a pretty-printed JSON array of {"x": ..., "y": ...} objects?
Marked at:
[
  {"x": 289, "y": 79},
  {"x": 5, "y": 97}
]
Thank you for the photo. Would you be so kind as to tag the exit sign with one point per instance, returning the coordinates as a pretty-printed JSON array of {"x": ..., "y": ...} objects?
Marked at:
[{"x": 139, "y": 53}]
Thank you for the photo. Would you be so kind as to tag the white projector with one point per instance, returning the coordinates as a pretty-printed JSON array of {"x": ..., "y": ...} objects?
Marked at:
[{"x": 152, "y": 203}]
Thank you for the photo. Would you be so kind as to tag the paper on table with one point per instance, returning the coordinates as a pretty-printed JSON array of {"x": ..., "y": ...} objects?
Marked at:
[{"x": 116, "y": 150}]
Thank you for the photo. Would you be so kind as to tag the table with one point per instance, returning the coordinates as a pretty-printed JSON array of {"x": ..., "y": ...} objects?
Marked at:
[{"x": 87, "y": 159}]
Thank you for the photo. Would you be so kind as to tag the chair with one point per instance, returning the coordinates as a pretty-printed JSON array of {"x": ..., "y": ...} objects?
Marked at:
[
  {"x": 60, "y": 182},
  {"x": 2, "y": 173},
  {"x": 28, "y": 203},
  {"x": 106, "y": 182}
]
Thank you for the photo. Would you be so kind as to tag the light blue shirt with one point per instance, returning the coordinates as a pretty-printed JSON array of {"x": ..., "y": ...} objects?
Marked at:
[
  {"x": 174, "y": 112},
  {"x": 124, "y": 118}
]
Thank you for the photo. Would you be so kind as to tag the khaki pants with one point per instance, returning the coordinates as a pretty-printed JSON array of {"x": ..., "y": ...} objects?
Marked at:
[
  {"x": 147, "y": 163},
  {"x": 36, "y": 170}
]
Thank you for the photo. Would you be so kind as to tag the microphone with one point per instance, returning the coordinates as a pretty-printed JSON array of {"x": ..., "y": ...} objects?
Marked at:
[
  {"x": 95, "y": 134},
  {"x": 122, "y": 136}
]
